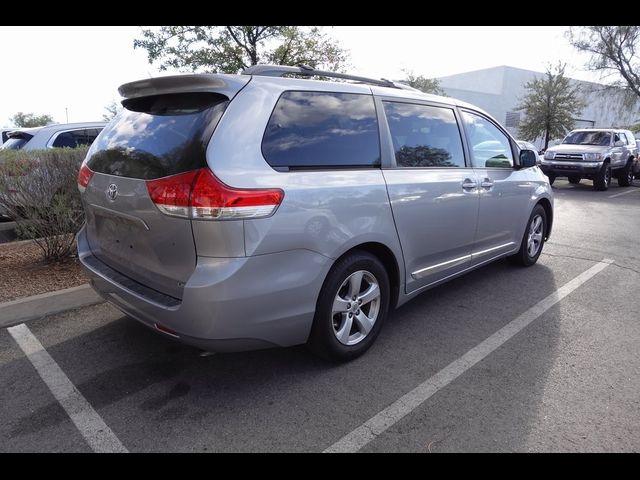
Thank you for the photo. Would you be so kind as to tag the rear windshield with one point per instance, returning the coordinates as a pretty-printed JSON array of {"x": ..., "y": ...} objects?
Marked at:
[
  {"x": 16, "y": 143},
  {"x": 588, "y": 138},
  {"x": 157, "y": 136}
]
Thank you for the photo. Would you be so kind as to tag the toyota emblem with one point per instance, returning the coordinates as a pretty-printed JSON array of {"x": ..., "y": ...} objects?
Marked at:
[{"x": 112, "y": 192}]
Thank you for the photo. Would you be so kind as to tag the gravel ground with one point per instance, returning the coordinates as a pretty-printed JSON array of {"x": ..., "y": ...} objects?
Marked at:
[{"x": 23, "y": 272}]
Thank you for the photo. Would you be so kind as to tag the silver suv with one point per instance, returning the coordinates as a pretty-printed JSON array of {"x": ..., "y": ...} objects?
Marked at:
[
  {"x": 596, "y": 154},
  {"x": 237, "y": 212},
  {"x": 56, "y": 135}
]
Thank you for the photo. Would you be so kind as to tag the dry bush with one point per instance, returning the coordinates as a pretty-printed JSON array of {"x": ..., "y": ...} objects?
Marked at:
[{"x": 38, "y": 189}]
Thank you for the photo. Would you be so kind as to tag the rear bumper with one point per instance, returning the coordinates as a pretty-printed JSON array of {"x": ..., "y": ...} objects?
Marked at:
[
  {"x": 228, "y": 304},
  {"x": 563, "y": 169}
]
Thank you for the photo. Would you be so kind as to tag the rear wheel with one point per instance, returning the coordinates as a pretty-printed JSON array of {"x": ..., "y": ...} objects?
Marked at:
[
  {"x": 533, "y": 239},
  {"x": 574, "y": 179},
  {"x": 625, "y": 175},
  {"x": 602, "y": 180},
  {"x": 351, "y": 308}
]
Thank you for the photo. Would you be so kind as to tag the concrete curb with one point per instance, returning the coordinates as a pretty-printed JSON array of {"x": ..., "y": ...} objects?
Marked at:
[{"x": 38, "y": 306}]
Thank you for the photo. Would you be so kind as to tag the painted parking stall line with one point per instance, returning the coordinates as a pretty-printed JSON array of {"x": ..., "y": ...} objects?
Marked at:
[
  {"x": 372, "y": 428},
  {"x": 623, "y": 193},
  {"x": 98, "y": 435}
]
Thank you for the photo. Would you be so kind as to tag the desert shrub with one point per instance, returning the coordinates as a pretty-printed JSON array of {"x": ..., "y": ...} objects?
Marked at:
[{"x": 38, "y": 189}]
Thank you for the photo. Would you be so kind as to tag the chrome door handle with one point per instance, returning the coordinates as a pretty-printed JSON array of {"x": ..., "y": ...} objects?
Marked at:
[
  {"x": 487, "y": 183},
  {"x": 469, "y": 184}
]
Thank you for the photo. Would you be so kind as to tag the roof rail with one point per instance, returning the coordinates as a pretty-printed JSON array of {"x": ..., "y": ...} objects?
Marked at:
[{"x": 281, "y": 70}]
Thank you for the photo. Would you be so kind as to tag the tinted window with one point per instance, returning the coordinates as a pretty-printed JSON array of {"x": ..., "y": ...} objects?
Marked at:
[
  {"x": 16, "y": 142},
  {"x": 74, "y": 138},
  {"x": 317, "y": 129},
  {"x": 424, "y": 136},
  {"x": 490, "y": 147},
  {"x": 157, "y": 136}
]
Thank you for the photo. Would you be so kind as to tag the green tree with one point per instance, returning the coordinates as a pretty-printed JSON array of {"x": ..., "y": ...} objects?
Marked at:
[
  {"x": 230, "y": 49},
  {"x": 113, "y": 108},
  {"x": 26, "y": 120},
  {"x": 550, "y": 105},
  {"x": 422, "y": 83},
  {"x": 612, "y": 50}
]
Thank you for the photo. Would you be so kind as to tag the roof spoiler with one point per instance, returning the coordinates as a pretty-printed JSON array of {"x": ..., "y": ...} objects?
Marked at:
[{"x": 227, "y": 85}]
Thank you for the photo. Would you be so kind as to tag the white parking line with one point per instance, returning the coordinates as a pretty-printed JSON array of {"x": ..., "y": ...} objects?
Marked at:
[
  {"x": 97, "y": 434},
  {"x": 624, "y": 193},
  {"x": 368, "y": 431}
]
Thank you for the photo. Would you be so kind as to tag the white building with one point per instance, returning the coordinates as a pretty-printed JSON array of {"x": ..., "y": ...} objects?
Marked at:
[{"x": 499, "y": 90}]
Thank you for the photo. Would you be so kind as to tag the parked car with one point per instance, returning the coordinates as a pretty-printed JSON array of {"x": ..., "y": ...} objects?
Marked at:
[
  {"x": 234, "y": 212},
  {"x": 596, "y": 154},
  {"x": 51, "y": 136},
  {"x": 530, "y": 146}
]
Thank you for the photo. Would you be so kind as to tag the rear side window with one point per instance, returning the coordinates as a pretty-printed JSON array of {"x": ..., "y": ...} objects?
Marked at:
[
  {"x": 321, "y": 129},
  {"x": 424, "y": 136},
  {"x": 158, "y": 136},
  {"x": 75, "y": 138}
]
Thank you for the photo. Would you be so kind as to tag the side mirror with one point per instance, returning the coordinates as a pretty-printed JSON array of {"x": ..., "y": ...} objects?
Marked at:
[
  {"x": 528, "y": 158},
  {"x": 618, "y": 143}
]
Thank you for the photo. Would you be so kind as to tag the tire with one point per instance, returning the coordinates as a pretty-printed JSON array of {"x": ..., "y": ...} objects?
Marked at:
[
  {"x": 336, "y": 311},
  {"x": 602, "y": 180},
  {"x": 625, "y": 175},
  {"x": 552, "y": 178},
  {"x": 524, "y": 256},
  {"x": 574, "y": 179}
]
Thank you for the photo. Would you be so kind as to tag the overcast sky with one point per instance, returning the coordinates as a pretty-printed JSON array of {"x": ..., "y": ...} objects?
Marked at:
[{"x": 80, "y": 68}]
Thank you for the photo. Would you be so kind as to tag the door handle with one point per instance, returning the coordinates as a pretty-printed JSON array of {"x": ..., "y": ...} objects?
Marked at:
[
  {"x": 469, "y": 184},
  {"x": 487, "y": 183}
]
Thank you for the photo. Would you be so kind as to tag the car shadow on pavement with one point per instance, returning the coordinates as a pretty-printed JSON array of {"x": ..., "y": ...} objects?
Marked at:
[
  {"x": 493, "y": 405},
  {"x": 287, "y": 399}
]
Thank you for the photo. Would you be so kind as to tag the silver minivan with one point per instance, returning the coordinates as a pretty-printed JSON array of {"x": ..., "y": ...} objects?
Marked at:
[{"x": 236, "y": 212}]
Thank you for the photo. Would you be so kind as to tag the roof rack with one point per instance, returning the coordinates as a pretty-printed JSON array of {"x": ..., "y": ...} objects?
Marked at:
[{"x": 281, "y": 70}]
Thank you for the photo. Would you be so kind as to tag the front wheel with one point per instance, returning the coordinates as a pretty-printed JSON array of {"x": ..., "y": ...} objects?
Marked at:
[
  {"x": 603, "y": 178},
  {"x": 575, "y": 179},
  {"x": 552, "y": 178},
  {"x": 533, "y": 239},
  {"x": 351, "y": 308}
]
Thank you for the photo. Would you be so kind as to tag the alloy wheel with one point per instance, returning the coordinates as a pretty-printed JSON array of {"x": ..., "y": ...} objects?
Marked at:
[{"x": 356, "y": 307}]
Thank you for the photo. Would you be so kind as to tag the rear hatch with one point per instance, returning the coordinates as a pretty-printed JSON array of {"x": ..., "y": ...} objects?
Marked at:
[
  {"x": 155, "y": 136},
  {"x": 16, "y": 140}
]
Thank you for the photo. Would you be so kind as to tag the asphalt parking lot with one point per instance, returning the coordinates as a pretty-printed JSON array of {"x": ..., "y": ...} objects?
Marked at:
[{"x": 566, "y": 381}]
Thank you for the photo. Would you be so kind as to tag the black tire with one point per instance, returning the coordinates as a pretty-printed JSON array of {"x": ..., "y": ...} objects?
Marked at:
[
  {"x": 323, "y": 337},
  {"x": 552, "y": 178},
  {"x": 523, "y": 257},
  {"x": 574, "y": 179},
  {"x": 602, "y": 180},
  {"x": 625, "y": 175}
]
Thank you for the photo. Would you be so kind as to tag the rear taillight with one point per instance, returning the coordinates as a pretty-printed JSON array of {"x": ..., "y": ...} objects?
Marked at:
[
  {"x": 84, "y": 177},
  {"x": 171, "y": 194},
  {"x": 200, "y": 195}
]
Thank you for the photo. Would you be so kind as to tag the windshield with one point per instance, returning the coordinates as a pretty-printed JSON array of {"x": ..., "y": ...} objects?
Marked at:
[{"x": 588, "y": 138}]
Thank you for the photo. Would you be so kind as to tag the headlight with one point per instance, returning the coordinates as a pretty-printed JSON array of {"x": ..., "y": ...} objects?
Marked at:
[
  {"x": 549, "y": 155},
  {"x": 592, "y": 157}
]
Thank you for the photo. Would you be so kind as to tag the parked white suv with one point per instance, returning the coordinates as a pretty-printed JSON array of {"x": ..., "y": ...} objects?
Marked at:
[
  {"x": 51, "y": 136},
  {"x": 596, "y": 154}
]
